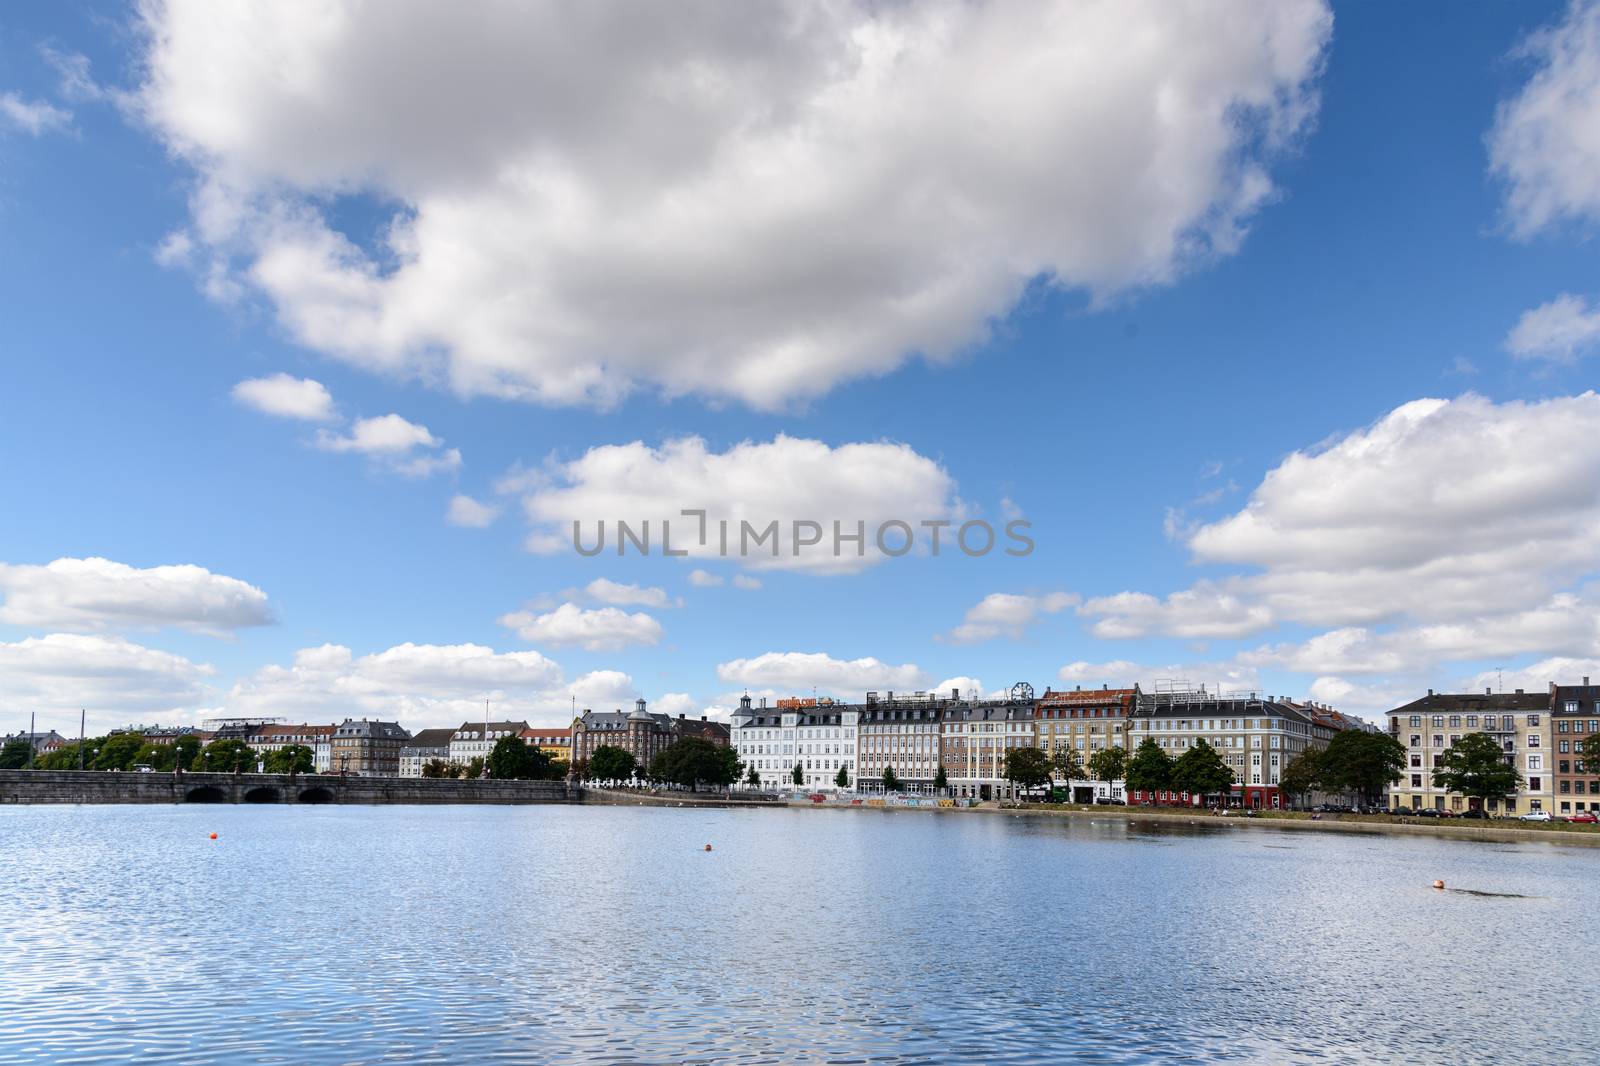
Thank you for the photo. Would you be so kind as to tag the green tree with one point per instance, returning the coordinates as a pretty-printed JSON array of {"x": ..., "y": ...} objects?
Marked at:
[
  {"x": 290, "y": 759},
  {"x": 1365, "y": 763},
  {"x": 1066, "y": 763},
  {"x": 474, "y": 768},
  {"x": 1303, "y": 774},
  {"x": 514, "y": 759},
  {"x": 891, "y": 783},
  {"x": 611, "y": 763},
  {"x": 1108, "y": 764},
  {"x": 842, "y": 778},
  {"x": 941, "y": 780},
  {"x": 118, "y": 751},
  {"x": 797, "y": 775},
  {"x": 753, "y": 778},
  {"x": 1149, "y": 768},
  {"x": 66, "y": 756},
  {"x": 1475, "y": 766},
  {"x": 185, "y": 750},
  {"x": 155, "y": 756},
  {"x": 1588, "y": 753},
  {"x": 1200, "y": 771},
  {"x": 438, "y": 768},
  {"x": 1027, "y": 767},
  {"x": 694, "y": 761},
  {"x": 14, "y": 756},
  {"x": 226, "y": 757}
]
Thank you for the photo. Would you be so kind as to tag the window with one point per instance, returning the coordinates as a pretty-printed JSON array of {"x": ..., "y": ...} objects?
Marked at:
[
  {"x": 1416, "y": 740},
  {"x": 1416, "y": 720},
  {"x": 1572, "y": 706},
  {"x": 1438, "y": 740},
  {"x": 1472, "y": 721},
  {"x": 1438, "y": 721},
  {"x": 1536, "y": 762},
  {"x": 1533, "y": 719},
  {"x": 1533, "y": 740},
  {"x": 1455, "y": 721},
  {"x": 1534, "y": 785},
  {"x": 1416, "y": 780}
]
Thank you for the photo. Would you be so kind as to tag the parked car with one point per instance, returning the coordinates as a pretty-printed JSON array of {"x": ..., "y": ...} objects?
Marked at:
[
  {"x": 1536, "y": 816},
  {"x": 1429, "y": 812},
  {"x": 1583, "y": 818},
  {"x": 1476, "y": 812}
]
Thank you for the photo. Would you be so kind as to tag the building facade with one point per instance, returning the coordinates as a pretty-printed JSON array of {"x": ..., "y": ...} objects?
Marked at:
[
  {"x": 274, "y": 736},
  {"x": 974, "y": 740},
  {"x": 1086, "y": 721},
  {"x": 554, "y": 741},
  {"x": 818, "y": 735},
  {"x": 1574, "y": 718},
  {"x": 1256, "y": 737},
  {"x": 1519, "y": 721},
  {"x": 902, "y": 733},
  {"x": 639, "y": 732},
  {"x": 367, "y": 748},
  {"x": 474, "y": 740},
  {"x": 424, "y": 747}
]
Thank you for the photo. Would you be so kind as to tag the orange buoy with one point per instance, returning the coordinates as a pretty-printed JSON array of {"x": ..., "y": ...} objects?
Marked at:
[
  {"x": 1438, "y": 884},
  {"x": 213, "y": 836}
]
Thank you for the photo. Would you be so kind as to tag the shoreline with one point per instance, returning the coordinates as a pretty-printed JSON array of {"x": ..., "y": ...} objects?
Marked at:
[{"x": 1328, "y": 823}]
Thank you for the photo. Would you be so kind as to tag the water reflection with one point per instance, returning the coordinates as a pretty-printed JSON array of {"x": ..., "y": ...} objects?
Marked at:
[{"x": 356, "y": 935}]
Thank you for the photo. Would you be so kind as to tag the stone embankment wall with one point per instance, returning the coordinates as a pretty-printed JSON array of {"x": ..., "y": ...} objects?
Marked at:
[{"x": 72, "y": 786}]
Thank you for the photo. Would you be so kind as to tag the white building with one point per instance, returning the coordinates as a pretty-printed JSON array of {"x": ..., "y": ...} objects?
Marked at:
[
  {"x": 471, "y": 742},
  {"x": 819, "y": 736},
  {"x": 423, "y": 748}
]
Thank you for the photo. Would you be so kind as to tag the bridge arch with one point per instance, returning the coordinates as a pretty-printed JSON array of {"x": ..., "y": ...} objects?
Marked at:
[
  {"x": 316, "y": 794},
  {"x": 262, "y": 794},
  {"x": 205, "y": 794}
]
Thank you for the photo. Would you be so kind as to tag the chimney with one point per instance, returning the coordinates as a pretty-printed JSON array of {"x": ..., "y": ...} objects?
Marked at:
[
  {"x": 1519, "y": 692},
  {"x": 702, "y": 718},
  {"x": 955, "y": 693},
  {"x": 1430, "y": 692},
  {"x": 1487, "y": 691},
  {"x": 890, "y": 696}
]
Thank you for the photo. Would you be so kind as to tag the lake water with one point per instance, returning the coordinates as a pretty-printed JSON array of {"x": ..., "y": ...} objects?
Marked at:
[{"x": 596, "y": 934}]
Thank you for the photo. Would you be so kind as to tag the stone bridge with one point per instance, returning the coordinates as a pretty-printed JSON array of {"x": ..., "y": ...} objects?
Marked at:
[{"x": 88, "y": 786}]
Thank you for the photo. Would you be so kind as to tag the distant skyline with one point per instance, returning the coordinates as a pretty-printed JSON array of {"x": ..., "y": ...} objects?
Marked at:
[{"x": 1275, "y": 323}]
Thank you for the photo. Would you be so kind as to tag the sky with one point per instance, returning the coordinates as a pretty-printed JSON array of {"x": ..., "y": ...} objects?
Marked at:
[{"x": 322, "y": 324}]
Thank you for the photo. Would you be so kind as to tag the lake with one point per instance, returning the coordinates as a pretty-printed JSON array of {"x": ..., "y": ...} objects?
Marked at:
[{"x": 607, "y": 934}]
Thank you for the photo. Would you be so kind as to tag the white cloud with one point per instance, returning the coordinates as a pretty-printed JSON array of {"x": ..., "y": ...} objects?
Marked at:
[
  {"x": 1545, "y": 144},
  {"x": 469, "y": 513},
  {"x": 287, "y": 397},
  {"x": 676, "y": 703},
  {"x": 1006, "y": 614},
  {"x": 395, "y": 443},
  {"x": 1219, "y": 676},
  {"x": 1201, "y": 611},
  {"x": 1344, "y": 695},
  {"x": 97, "y": 595},
  {"x": 1440, "y": 512},
  {"x": 620, "y": 595},
  {"x": 75, "y": 81},
  {"x": 588, "y": 197},
  {"x": 422, "y": 686},
  {"x": 746, "y": 582},
  {"x": 1567, "y": 624},
  {"x": 799, "y": 672},
  {"x": 115, "y": 680},
  {"x": 704, "y": 579},
  {"x": 1536, "y": 677},
  {"x": 387, "y": 435},
  {"x": 784, "y": 481},
  {"x": 603, "y": 629},
  {"x": 31, "y": 116},
  {"x": 1558, "y": 331}
]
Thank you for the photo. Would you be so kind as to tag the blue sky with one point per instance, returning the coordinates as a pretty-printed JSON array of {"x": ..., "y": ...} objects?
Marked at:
[{"x": 1133, "y": 403}]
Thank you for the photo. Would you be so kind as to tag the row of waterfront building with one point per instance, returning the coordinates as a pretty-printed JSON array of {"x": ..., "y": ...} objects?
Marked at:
[{"x": 918, "y": 734}]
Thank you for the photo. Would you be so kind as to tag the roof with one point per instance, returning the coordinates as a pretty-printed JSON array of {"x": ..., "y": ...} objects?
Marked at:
[
  {"x": 1587, "y": 695},
  {"x": 547, "y": 732},
  {"x": 352, "y": 727},
  {"x": 617, "y": 720},
  {"x": 1088, "y": 697},
  {"x": 1209, "y": 705},
  {"x": 1475, "y": 702},
  {"x": 474, "y": 730},
  {"x": 431, "y": 738}
]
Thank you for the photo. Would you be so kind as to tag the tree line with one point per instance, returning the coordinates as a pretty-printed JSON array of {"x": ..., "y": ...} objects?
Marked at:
[{"x": 124, "y": 751}]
